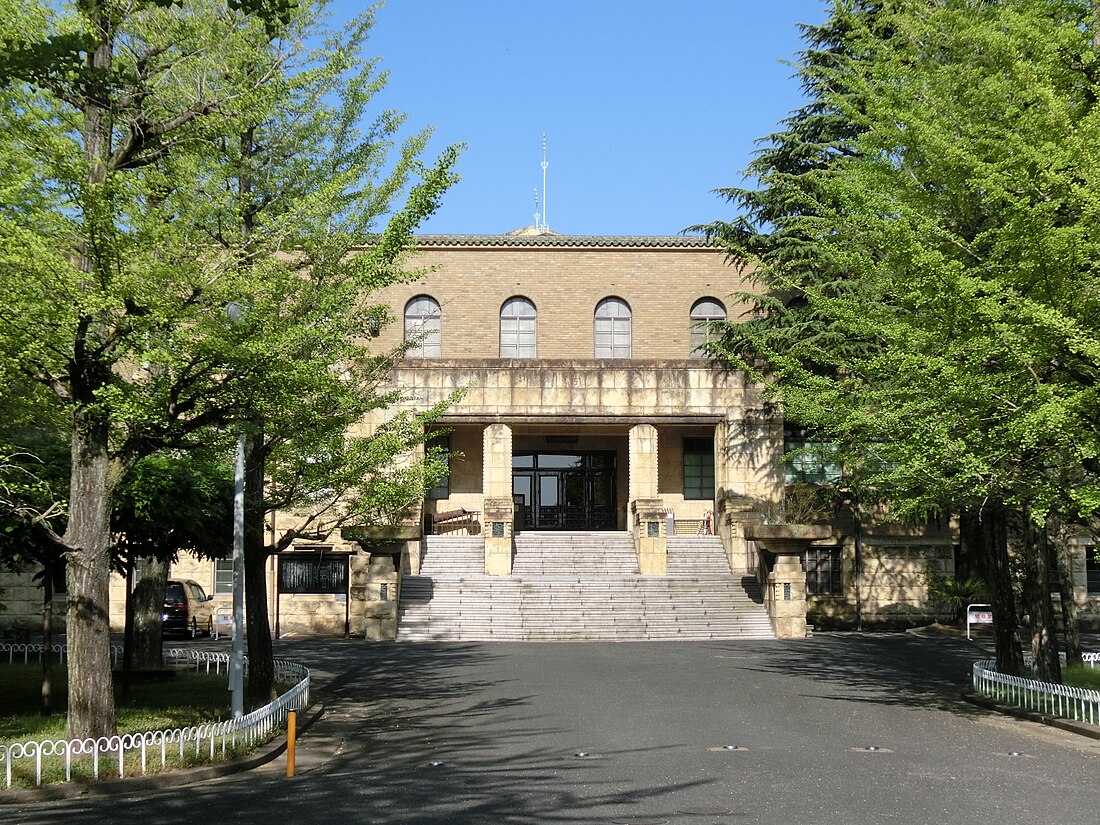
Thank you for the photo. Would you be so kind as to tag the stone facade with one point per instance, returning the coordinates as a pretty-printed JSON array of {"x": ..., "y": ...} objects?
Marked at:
[{"x": 651, "y": 441}]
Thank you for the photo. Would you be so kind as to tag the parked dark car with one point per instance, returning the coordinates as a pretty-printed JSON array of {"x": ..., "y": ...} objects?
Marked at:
[{"x": 187, "y": 609}]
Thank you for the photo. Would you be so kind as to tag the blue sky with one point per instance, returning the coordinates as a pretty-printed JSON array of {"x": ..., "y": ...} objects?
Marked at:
[{"x": 647, "y": 106}]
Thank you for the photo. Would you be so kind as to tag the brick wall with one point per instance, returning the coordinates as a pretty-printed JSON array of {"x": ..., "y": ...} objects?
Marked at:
[{"x": 565, "y": 283}]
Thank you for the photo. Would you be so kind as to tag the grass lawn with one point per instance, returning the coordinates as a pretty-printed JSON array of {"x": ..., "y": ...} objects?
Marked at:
[
  {"x": 1082, "y": 676},
  {"x": 182, "y": 699}
]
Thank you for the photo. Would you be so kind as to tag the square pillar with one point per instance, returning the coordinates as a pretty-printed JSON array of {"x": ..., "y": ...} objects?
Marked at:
[
  {"x": 643, "y": 462},
  {"x": 650, "y": 536},
  {"x": 498, "y": 511},
  {"x": 379, "y": 582},
  {"x": 786, "y": 597},
  {"x": 734, "y": 515}
]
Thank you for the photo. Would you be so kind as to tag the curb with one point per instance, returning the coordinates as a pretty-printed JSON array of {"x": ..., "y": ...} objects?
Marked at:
[
  {"x": 1068, "y": 725},
  {"x": 168, "y": 779}
]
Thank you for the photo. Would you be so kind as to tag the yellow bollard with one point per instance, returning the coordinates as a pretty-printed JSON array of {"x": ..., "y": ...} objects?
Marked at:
[{"x": 291, "y": 737}]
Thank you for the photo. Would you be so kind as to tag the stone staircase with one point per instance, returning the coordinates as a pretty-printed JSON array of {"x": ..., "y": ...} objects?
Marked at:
[{"x": 578, "y": 587}]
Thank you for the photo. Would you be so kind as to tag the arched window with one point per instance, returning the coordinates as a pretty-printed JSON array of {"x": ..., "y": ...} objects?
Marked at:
[
  {"x": 613, "y": 328},
  {"x": 703, "y": 312},
  {"x": 424, "y": 327},
  {"x": 517, "y": 328}
]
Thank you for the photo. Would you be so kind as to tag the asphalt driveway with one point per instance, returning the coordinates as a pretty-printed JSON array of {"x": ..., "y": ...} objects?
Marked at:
[{"x": 834, "y": 729}]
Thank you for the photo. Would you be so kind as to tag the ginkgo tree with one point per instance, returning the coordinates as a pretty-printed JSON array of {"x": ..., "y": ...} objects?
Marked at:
[{"x": 115, "y": 120}]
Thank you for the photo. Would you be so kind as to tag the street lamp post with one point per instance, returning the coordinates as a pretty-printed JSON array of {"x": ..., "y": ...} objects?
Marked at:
[{"x": 236, "y": 656}]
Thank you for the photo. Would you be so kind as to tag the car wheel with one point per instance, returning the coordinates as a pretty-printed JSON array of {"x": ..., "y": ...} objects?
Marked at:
[
  {"x": 194, "y": 628},
  {"x": 209, "y": 627}
]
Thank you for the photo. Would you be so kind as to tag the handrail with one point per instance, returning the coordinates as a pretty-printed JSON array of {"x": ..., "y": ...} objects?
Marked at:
[{"x": 211, "y": 740}]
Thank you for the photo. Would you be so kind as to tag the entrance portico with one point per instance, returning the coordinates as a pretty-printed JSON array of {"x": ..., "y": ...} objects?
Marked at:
[{"x": 598, "y": 475}]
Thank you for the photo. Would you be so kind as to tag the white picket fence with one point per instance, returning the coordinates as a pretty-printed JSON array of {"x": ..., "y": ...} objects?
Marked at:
[
  {"x": 109, "y": 756},
  {"x": 1079, "y": 704}
]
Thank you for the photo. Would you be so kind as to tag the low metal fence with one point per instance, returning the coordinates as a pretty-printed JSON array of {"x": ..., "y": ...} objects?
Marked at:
[
  {"x": 138, "y": 753},
  {"x": 25, "y": 653},
  {"x": 1079, "y": 704}
]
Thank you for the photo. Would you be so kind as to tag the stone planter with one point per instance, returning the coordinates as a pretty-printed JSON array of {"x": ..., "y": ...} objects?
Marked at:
[
  {"x": 785, "y": 595},
  {"x": 784, "y": 539}
]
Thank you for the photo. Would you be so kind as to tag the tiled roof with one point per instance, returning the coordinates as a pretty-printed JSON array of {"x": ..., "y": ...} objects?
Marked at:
[{"x": 553, "y": 239}]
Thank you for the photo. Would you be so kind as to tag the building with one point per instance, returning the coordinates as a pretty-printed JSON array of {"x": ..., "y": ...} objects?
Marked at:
[{"x": 589, "y": 410}]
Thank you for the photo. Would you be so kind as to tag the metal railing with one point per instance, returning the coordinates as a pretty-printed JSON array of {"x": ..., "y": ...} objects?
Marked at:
[
  {"x": 135, "y": 753},
  {"x": 15, "y": 652},
  {"x": 1079, "y": 704}
]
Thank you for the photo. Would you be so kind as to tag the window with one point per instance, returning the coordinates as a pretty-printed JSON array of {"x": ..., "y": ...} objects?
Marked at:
[
  {"x": 822, "y": 571},
  {"x": 441, "y": 444},
  {"x": 223, "y": 577},
  {"x": 612, "y": 329},
  {"x": 703, "y": 312},
  {"x": 1092, "y": 570},
  {"x": 424, "y": 327},
  {"x": 808, "y": 459},
  {"x": 698, "y": 468},
  {"x": 517, "y": 329}
]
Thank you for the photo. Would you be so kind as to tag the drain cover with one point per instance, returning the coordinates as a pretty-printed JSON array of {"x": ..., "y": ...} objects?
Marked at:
[{"x": 705, "y": 811}]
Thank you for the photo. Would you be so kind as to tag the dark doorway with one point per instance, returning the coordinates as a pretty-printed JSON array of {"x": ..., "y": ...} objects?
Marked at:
[{"x": 565, "y": 491}]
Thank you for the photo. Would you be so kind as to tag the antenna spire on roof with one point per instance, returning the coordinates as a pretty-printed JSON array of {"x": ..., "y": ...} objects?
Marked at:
[
  {"x": 545, "y": 225},
  {"x": 537, "y": 213}
]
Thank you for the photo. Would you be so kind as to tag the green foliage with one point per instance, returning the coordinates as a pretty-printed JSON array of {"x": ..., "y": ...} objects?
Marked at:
[
  {"x": 170, "y": 503},
  {"x": 201, "y": 154},
  {"x": 924, "y": 243},
  {"x": 954, "y": 594}
]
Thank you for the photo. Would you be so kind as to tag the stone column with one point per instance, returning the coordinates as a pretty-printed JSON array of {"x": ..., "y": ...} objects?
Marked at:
[
  {"x": 643, "y": 462},
  {"x": 647, "y": 510},
  {"x": 786, "y": 597},
  {"x": 734, "y": 514},
  {"x": 497, "y": 511},
  {"x": 380, "y": 609}
]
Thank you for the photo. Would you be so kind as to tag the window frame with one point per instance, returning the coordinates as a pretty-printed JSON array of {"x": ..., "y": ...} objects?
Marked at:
[
  {"x": 618, "y": 325},
  {"x": 513, "y": 339},
  {"x": 222, "y": 567},
  {"x": 1092, "y": 571},
  {"x": 811, "y": 465},
  {"x": 699, "y": 332},
  {"x": 824, "y": 568},
  {"x": 702, "y": 448},
  {"x": 424, "y": 327}
]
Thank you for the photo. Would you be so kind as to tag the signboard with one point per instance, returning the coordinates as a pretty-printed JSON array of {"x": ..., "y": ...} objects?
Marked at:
[
  {"x": 313, "y": 573},
  {"x": 978, "y": 614}
]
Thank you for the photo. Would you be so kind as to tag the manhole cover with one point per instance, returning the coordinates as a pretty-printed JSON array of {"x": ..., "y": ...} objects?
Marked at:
[
  {"x": 640, "y": 821},
  {"x": 727, "y": 749}
]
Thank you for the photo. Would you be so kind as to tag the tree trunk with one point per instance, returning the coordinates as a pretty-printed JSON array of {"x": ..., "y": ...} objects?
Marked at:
[
  {"x": 1037, "y": 587},
  {"x": 148, "y": 607},
  {"x": 1068, "y": 603},
  {"x": 47, "y": 635},
  {"x": 986, "y": 530},
  {"x": 91, "y": 692},
  {"x": 261, "y": 654}
]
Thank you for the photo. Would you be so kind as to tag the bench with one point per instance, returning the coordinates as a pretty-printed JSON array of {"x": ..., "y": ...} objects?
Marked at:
[{"x": 455, "y": 519}]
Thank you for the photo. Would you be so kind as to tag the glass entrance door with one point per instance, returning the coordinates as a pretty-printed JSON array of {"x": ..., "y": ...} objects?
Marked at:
[{"x": 565, "y": 491}]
